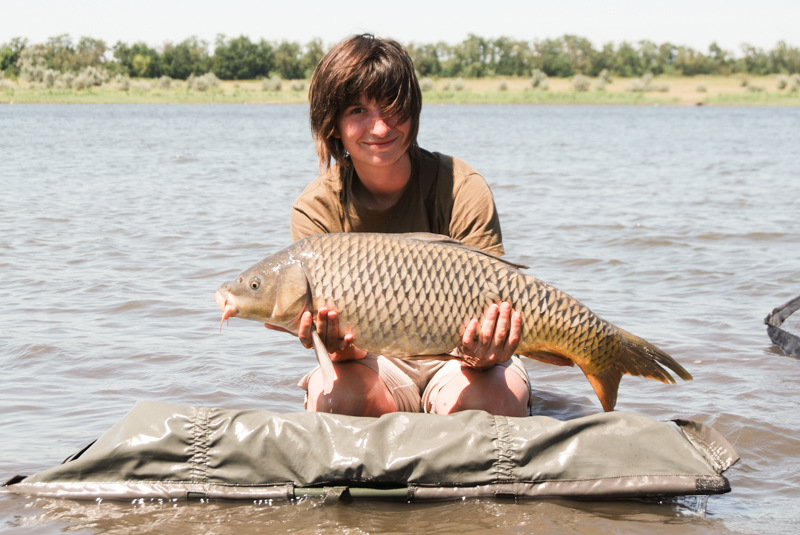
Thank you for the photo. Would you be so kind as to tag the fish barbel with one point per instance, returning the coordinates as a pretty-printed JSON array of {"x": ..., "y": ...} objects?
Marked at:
[{"x": 409, "y": 295}]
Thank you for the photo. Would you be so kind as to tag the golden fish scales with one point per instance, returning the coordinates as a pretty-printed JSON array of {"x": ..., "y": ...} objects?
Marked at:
[{"x": 406, "y": 295}]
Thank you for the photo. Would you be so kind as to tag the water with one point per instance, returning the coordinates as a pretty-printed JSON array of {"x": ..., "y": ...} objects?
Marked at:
[{"x": 117, "y": 223}]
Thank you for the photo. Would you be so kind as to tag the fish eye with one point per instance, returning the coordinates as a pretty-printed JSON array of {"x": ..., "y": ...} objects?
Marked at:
[{"x": 255, "y": 283}]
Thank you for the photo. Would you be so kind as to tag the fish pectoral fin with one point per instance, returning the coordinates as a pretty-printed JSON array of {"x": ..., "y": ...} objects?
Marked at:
[
  {"x": 606, "y": 385},
  {"x": 325, "y": 363},
  {"x": 549, "y": 357}
]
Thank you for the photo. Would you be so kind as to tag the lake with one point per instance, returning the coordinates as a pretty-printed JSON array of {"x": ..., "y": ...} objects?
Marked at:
[{"x": 117, "y": 224}]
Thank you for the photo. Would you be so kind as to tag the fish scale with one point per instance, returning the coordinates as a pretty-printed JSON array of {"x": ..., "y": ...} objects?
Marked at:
[{"x": 412, "y": 295}]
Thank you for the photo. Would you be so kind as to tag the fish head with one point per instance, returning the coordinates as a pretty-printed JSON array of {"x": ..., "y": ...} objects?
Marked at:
[{"x": 273, "y": 291}]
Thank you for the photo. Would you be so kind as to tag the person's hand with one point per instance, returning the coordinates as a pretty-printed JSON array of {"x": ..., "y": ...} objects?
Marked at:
[
  {"x": 497, "y": 340},
  {"x": 327, "y": 325}
]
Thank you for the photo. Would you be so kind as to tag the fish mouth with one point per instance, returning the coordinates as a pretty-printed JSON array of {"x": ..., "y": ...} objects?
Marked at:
[{"x": 227, "y": 307}]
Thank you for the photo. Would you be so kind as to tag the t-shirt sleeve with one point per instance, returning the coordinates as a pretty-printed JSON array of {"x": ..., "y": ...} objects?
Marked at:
[
  {"x": 316, "y": 211},
  {"x": 474, "y": 220},
  {"x": 303, "y": 224}
]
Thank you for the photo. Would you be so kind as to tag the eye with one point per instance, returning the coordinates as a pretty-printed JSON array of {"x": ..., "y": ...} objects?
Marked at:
[{"x": 255, "y": 283}]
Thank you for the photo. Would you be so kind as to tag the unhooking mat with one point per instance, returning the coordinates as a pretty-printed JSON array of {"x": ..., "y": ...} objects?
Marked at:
[{"x": 179, "y": 451}]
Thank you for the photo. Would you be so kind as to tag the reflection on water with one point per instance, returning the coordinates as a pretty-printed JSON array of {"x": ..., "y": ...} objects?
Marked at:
[{"x": 117, "y": 224}]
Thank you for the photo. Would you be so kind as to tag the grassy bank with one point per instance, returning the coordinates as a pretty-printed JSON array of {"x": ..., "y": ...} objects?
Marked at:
[{"x": 711, "y": 90}]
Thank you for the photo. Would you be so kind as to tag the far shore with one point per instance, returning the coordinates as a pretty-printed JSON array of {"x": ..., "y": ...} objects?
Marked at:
[{"x": 680, "y": 91}]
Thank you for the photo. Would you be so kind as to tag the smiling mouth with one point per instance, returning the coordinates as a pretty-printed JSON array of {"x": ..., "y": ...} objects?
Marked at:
[{"x": 381, "y": 142}]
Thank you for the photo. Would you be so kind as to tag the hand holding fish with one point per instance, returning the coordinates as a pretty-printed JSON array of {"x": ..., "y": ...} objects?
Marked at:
[
  {"x": 327, "y": 324},
  {"x": 496, "y": 341}
]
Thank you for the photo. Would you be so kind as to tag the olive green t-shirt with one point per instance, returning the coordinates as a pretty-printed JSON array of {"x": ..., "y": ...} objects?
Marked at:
[{"x": 444, "y": 196}]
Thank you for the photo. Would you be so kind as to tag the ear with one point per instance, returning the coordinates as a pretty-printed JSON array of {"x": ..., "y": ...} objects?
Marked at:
[{"x": 336, "y": 133}]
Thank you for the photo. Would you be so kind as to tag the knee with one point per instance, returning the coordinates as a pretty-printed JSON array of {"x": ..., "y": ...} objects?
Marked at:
[
  {"x": 498, "y": 390},
  {"x": 357, "y": 391}
]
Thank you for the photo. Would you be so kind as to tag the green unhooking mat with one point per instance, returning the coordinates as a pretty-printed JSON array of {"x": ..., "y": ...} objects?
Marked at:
[{"x": 178, "y": 451}]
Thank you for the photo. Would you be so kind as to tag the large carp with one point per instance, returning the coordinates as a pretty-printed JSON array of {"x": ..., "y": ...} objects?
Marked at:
[{"x": 403, "y": 295}]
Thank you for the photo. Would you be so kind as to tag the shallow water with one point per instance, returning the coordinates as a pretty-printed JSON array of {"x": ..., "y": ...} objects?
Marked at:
[{"x": 117, "y": 223}]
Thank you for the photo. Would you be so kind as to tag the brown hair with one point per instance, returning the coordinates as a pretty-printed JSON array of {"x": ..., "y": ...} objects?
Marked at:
[{"x": 379, "y": 69}]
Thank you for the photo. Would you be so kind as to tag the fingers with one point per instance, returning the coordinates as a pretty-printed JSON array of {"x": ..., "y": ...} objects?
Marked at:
[
  {"x": 485, "y": 337},
  {"x": 501, "y": 328},
  {"x": 304, "y": 331},
  {"x": 497, "y": 339},
  {"x": 515, "y": 334}
]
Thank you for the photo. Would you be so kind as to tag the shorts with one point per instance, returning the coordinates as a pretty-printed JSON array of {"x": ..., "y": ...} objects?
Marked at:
[{"x": 415, "y": 384}]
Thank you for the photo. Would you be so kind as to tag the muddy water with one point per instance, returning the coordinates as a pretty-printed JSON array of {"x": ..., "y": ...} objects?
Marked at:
[{"x": 117, "y": 223}]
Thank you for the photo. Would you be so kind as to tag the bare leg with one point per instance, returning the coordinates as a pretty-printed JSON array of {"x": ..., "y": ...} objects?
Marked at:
[
  {"x": 497, "y": 390},
  {"x": 357, "y": 391}
]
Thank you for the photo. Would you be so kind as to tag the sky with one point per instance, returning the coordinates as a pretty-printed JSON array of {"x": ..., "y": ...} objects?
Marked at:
[{"x": 695, "y": 23}]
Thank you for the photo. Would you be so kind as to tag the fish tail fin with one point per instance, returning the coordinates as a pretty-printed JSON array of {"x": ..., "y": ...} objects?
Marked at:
[
  {"x": 641, "y": 358},
  {"x": 635, "y": 357}
]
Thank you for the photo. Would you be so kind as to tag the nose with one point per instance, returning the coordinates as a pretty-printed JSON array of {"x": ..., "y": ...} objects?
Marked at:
[{"x": 380, "y": 126}]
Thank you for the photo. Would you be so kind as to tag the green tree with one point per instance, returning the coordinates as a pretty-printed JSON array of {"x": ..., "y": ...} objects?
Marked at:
[
  {"x": 754, "y": 60},
  {"x": 288, "y": 61},
  {"x": 784, "y": 59},
  {"x": 628, "y": 62},
  {"x": 9, "y": 55},
  {"x": 721, "y": 60},
  {"x": 241, "y": 59},
  {"x": 580, "y": 53},
  {"x": 511, "y": 57},
  {"x": 425, "y": 58},
  {"x": 552, "y": 59},
  {"x": 148, "y": 66},
  {"x": 186, "y": 58},
  {"x": 604, "y": 59},
  {"x": 90, "y": 52},
  {"x": 313, "y": 54},
  {"x": 60, "y": 54}
]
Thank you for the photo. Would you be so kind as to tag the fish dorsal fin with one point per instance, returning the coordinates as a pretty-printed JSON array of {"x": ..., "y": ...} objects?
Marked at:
[{"x": 440, "y": 238}]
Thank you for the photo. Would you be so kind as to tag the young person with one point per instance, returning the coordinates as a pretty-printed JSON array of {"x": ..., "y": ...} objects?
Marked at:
[{"x": 365, "y": 106}]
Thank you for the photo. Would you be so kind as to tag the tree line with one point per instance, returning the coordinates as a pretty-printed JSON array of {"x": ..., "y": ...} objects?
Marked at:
[{"x": 240, "y": 58}]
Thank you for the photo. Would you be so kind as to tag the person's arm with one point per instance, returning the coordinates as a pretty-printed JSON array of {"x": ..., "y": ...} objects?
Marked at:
[{"x": 475, "y": 222}]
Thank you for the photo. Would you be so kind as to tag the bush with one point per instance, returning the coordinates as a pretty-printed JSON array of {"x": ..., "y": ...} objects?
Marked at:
[
  {"x": 701, "y": 87},
  {"x": 601, "y": 84},
  {"x": 581, "y": 83},
  {"x": 426, "y": 84},
  {"x": 646, "y": 84},
  {"x": 89, "y": 77},
  {"x": 794, "y": 83},
  {"x": 297, "y": 85},
  {"x": 503, "y": 85},
  {"x": 273, "y": 83},
  {"x": 754, "y": 88},
  {"x": 782, "y": 81},
  {"x": 142, "y": 86},
  {"x": 605, "y": 76},
  {"x": 49, "y": 78},
  {"x": 458, "y": 85},
  {"x": 164, "y": 82},
  {"x": 203, "y": 83},
  {"x": 66, "y": 80},
  {"x": 538, "y": 78}
]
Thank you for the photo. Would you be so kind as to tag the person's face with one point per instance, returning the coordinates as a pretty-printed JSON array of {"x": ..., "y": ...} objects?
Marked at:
[{"x": 369, "y": 137}]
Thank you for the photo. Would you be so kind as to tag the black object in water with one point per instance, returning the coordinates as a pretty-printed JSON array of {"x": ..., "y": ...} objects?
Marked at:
[{"x": 788, "y": 342}]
